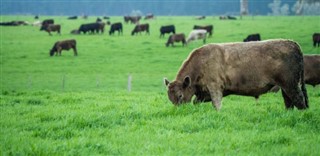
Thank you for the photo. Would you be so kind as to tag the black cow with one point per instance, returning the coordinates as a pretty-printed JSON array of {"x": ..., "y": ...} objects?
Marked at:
[
  {"x": 167, "y": 29},
  {"x": 209, "y": 28},
  {"x": 316, "y": 39},
  {"x": 231, "y": 17},
  {"x": 98, "y": 20},
  {"x": 73, "y": 17},
  {"x": 252, "y": 37},
  {"x": 46, "y": 22},
  {"x": 13, "y": 23},
  {"x": 115, "y": 27},
  {"x": 92, "y": 27}
]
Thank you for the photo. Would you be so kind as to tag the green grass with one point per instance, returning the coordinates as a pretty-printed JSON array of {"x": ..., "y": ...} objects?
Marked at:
[{"x": 93, "y": 114}]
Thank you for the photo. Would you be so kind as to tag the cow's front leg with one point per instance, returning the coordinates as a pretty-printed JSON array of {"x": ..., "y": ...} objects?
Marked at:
[{"x": 216, "y": 96}]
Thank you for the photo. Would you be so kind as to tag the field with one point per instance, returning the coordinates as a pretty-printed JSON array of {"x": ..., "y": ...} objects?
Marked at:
[{"x": 66, "y": 105}]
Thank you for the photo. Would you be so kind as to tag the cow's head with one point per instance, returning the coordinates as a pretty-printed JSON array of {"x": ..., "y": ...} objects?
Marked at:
[
  {"x": 180, "y": 92},
  {"x": 51, "y": 52}
]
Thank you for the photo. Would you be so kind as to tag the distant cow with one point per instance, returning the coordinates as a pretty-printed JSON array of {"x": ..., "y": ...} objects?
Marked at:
[
  {"x": 209, "y": 28},
  {"x": 115, "y": 27},
  {"x": 64, "y": 45},
  {"x": 149, "y": 16},
  {"x": 197, "y": 34},
  {"x": 167, "y": 29},
  {"x": 73, "y": 17},
  {"x": 176, "y": 38},
  {"x": 92, "y": 28},
  {"x": 231, "y": 17},
  {"x": 106, "y": 17},
  {"x": 249, "y": 69},
  {"x": 252, "y": 37},
  {"x": 36, "y": 17},
  {"x": 14, "y": 23},
  {"x": 47, "y": 22},
  {"x": 139, "y": 28},
  {"x": 316, "y": 39},
  {"x": 52, "y": 27},
  {"x": 200, "y": 17},
  {"x": 132, "y": 19},
  {"x": 98, "y": 20}
]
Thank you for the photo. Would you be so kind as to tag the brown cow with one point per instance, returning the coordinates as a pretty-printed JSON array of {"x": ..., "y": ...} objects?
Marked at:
[
  {"x": 316, "y": 39},
  {"x": 64, "y": 45},
  {"x": 52, "y": 27},
  {"x": 176, "y": 38},
  {"x": 250, "y": 69},
  {"x": 139, "y": 28},
  {"x": 312, "y": 69},
  {"x": 311, "y": 73}
]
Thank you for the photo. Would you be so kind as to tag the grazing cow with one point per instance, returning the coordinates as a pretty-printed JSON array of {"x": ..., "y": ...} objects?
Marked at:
[
  {"x": 52, "y": 27},
  {"x": 132, "y": 19},
  {"x": 73, "y": 17},
  {"x": 200, "y": 17},
  {"x": 149, "y": 16},
  {"x": 209, "y": 28},
  {"x": 92, "y": 27},
  {"x": 106, "y": 17},
  {"x": 141, "y": 27},
  {"x": 64, "y": 45},
  {"x": 116, "y": 27},
  {"x": 249, "y": 69},
  {"x": 75, "y": 32},
  {"x": 197, "y": 34},
  {"x": 36, "y": 17},
  {"x": 252, "y": 37},
  {"x": 231, "y": 17},
  {"x": 316, "y": 39},
  {"x": 14, "y": 23},
  {"x": 167, "y": 29},
  {"x": 176, "y": 38}
]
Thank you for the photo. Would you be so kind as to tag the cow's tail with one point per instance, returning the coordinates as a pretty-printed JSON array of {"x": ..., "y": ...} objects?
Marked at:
[{"x": 304, "y": 90}]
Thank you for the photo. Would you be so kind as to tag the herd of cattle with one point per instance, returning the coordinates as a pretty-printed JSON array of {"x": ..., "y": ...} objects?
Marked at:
[{"x": 217, "y": 70}]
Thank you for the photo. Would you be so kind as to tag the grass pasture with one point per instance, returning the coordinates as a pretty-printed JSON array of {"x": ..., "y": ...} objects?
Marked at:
[{"x": 66, "y": 105}]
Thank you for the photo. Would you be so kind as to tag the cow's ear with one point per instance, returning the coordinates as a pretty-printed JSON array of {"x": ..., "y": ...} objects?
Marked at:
[
  {"x": 166, "y": 81},
  {"x": 187, "y": 82}
]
